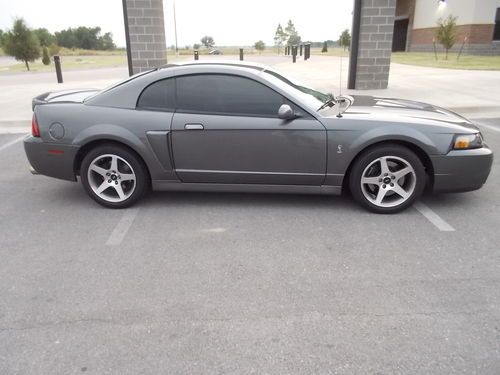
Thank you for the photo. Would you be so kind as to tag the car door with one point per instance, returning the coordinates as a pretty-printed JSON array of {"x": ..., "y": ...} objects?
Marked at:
[{"x": 226, "y": 130}]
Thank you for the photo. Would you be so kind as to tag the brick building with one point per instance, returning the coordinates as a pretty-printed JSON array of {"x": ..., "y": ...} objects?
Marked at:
[{"x": 478, "y": 24}]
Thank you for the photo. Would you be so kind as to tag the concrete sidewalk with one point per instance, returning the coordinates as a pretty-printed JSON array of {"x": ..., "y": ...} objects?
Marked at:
[{"x": 471, "y": 93}]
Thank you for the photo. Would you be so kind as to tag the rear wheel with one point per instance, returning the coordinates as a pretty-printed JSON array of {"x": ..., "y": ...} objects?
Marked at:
[
  {"x": 387, "y": 179},
  {"x": 113, "y": 176}
]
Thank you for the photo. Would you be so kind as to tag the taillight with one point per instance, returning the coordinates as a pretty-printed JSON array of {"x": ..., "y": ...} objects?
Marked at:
[{"x": 35, "y": 130}]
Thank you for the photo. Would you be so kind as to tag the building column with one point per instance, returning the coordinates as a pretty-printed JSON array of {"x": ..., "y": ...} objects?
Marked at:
[
  {"x": 373, "y": 25},
  {"x": 145, "y": 34}
]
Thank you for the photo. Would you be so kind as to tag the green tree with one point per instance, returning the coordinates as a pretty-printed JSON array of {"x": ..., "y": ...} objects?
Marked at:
[
  {"x": 280, "y": 37},
  {"x": 21, "y": 43},
  {"x": 45, "y": 37},
  {"x": 260, "y": 46},
  {"x": 207, "y": 41},
  {"x": 106, "y": 42},
  {"x": 196, "y": 46},
  {"x": 88, "y": 37},
  {"x": 1, "y": 36},
  {"x": 66, "y": 38},
  {"x": 292, "y": 34},
  {"x": 45, "y": 56},
  {"x": 446, "y": 33},
  {"x": 345, "y": 39},
  {"x": 325, "y": 47},
  {"x": 85, "y": 38}
]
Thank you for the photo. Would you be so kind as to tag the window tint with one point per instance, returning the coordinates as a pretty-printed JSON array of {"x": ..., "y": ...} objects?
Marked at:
[
  {"x": 159, "y": 95},
  {"x": 496, "y": 32},
  {"x": 215, "y": 93}
]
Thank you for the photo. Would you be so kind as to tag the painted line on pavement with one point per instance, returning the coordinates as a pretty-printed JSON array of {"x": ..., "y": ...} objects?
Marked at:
[
  {"x": 433, "y": 217},
  {"x": 491, "y": 127},
  {"x": 13, "y": 142},
  {"x": 122, "y": 228}
]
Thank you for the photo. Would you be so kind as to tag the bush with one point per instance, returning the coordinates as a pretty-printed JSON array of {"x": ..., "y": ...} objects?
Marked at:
[
  {"x": 54, "y": 49},
  {"x": 45, "y": 56}
]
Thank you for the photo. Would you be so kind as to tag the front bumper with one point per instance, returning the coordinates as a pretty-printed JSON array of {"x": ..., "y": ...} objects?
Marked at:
[
  {"x": 462, "y": 170},
  {"x": 51, "y": 159}
]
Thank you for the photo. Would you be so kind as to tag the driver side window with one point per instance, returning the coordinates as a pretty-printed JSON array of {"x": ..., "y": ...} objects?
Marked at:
[{"x": 226, "y": 95}]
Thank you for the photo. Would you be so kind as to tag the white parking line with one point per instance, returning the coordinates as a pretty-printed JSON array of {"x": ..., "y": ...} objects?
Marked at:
[
  {"x": 121, "y": 229},
  {"x": 13, "y": 142},
  {"x": 433, "y": 217}
]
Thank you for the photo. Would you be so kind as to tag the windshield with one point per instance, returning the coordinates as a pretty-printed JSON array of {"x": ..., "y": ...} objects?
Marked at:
[{"x": 313, "y": 98}]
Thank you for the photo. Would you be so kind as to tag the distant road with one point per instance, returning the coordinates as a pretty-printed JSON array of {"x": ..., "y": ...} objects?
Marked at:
[{"x": 7, "y": 60}]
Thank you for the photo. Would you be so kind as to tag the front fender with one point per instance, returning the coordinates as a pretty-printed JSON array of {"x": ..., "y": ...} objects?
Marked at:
[{"x": 345, "y": 145}]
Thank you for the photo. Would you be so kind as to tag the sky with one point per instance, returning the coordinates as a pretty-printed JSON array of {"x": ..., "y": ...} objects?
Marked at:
[{"x": 229, "y": 22}]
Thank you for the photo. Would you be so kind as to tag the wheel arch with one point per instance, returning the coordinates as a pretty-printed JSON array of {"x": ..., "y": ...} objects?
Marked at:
[
  {"x": 92, "y": 144},
  {"x": 419, "y": 151}
]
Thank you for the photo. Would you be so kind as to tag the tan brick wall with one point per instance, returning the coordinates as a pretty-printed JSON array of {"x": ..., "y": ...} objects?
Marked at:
[
  {"x": 479, "y": 34},
  {"x": 146, "y": 33}
]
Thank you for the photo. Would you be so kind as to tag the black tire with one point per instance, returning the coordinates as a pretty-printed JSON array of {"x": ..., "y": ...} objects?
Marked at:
[
  {"x": 136, "y": 189},
  {"x": 370, "y": 156}
]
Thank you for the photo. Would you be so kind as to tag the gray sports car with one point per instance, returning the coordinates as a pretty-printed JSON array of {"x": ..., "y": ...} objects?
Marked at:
[{"x": 233, "y": 127}]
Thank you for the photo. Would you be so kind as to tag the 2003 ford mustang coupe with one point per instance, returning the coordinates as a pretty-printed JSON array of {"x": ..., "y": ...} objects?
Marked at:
[{"x": 246, "y": 128}]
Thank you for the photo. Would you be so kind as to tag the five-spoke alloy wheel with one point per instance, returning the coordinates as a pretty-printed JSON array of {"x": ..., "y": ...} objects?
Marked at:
[
  {"x": 387, "y": 179},
  {"x": 113, "y": 176}
]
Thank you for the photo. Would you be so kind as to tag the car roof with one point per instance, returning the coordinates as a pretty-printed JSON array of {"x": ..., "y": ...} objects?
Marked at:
[{"x": 230, "y": 63}]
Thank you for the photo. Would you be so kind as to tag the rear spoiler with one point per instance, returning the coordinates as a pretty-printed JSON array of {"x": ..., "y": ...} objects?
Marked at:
[
  {"x": 69, "y": 96},
  {"x": 40, "y": 99}
]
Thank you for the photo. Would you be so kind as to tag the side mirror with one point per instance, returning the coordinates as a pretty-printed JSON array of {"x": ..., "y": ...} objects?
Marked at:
[{"x": 286, "y": 112}]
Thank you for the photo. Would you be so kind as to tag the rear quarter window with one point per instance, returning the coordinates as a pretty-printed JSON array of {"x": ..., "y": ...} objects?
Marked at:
[{"x": 159, "y": 95}]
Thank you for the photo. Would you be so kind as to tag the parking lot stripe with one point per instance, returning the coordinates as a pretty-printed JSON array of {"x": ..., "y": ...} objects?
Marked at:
[
  {"x": 433, "y": 217},
  {"x": 121, "y": 229},
  {"x": 8, "y": 144}
]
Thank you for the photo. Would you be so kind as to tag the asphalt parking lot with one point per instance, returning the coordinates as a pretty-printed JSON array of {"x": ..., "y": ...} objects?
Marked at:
[{"x": 232, "y": 283}]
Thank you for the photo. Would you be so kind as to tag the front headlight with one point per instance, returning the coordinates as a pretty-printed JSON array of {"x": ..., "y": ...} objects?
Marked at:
[{"x": 467, "y": 141}]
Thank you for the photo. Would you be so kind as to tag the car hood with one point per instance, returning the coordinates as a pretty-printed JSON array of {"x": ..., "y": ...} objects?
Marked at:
[{"x": 406, "y": 111}]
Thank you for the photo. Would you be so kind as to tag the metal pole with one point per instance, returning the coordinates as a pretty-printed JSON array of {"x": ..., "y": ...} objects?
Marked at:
[
  {"x": 307, "y": 51},
  {"x": 175, "y": 30},
  {"x": 127, "y": 39},
  {"x": 435, "y": 51},
  {"x": 353, "y": 61},
  {"x": 461, "y": 48},
  {"x": 294, "y": 54},
  {"x": 57, "y": 64},
  {"x": 241, "y": 54},
  {"x": 300, "y": 49}
]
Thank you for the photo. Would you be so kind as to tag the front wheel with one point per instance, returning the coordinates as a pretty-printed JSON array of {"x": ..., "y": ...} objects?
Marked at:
[
  {"x": 387, "y": 179},
  {"x": 113, "y": 176}
]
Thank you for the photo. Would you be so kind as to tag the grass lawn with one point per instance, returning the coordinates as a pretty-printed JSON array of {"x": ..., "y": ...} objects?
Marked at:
[
  {"x": 332, "y": 51},
  {"x": 71, "y": 63},
  {"x": 465, "y": 62}
]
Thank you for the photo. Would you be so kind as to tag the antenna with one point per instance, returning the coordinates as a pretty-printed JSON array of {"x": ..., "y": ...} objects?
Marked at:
[
  {"x": 339, "y": 100},
  {"x": 175, "y": 28},
  {"x": 340, "y": 75}
]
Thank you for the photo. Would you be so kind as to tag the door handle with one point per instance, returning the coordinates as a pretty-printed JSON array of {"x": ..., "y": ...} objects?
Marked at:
[{"x": 193, "y": 127}]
